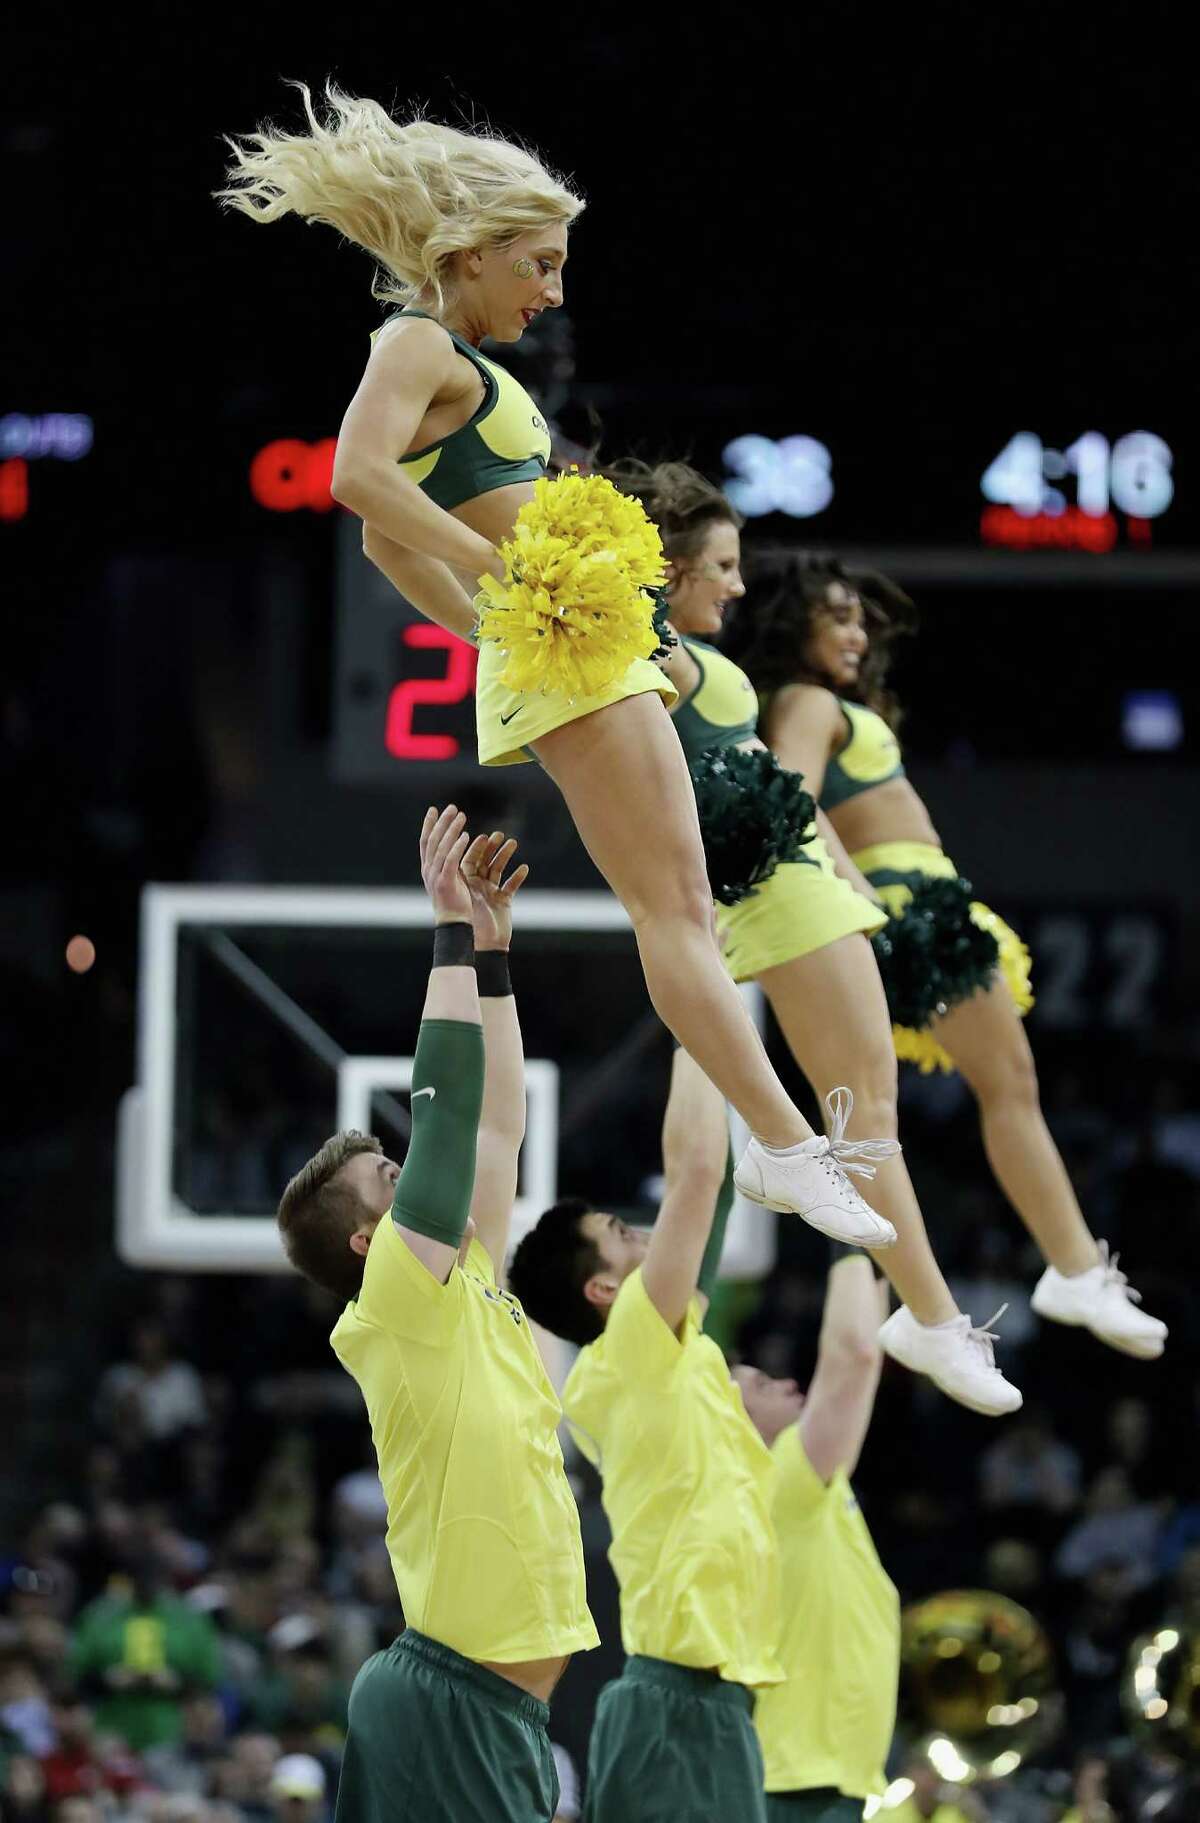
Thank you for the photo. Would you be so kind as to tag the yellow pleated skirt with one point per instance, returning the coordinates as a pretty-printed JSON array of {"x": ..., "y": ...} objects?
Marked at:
[
  {"x": 507, "y": 722},
  {"x": 801, "y": 908}
]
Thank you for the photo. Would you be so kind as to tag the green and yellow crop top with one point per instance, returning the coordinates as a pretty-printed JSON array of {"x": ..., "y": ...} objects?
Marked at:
[
  {"x": 871, "y": 756},
  {"x": 507, "y": 440},
  {"x": 722, "y": 710}
]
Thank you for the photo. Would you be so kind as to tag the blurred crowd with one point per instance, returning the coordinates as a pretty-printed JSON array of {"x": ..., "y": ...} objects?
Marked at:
[
  {"x": 180, "y": 1626},
  {"x": 179, "y": 1633}
]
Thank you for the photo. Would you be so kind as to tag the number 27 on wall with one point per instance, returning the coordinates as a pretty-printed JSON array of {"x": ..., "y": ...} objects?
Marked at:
[{"x": 415, "y": 693}]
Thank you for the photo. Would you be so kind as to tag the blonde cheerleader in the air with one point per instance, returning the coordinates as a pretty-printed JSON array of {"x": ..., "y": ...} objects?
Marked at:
[
  {"x": 815, "y": 640},
  {"x": 443, "y": 456}
]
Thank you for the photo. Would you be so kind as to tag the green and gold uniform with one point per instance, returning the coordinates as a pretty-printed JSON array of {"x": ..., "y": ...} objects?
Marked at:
[
  {"x": 870, "y": 757},
  {"x": 805, "y": 904},
  {"x": 687, "y": 1490},
  {"x": 826, "y": 1732},
  {"x": 159, "y": 1636},
  {"x": 507, "y": 440},
  {"x": 483, "y": 1530}
]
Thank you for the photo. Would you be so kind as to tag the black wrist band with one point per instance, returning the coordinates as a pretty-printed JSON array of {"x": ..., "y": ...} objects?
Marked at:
[
  {"x": 491, "y": 974},
  {"x": 453, "y": 946}
]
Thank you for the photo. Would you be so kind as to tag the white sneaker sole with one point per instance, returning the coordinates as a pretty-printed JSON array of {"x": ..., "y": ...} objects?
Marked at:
[
  {"x": 1149, "y": 1348},
  {"x": 951, "y": 1392},
  {"x": 831, "y": 1223}
]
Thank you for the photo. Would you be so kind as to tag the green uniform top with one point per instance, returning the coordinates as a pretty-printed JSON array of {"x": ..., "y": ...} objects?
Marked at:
[
  {"x": 506, "y": 440},
  {"x": 158, "y": 1638},
  {"x": 870, "y": 756},
  {"x": 721, "y": 710}
]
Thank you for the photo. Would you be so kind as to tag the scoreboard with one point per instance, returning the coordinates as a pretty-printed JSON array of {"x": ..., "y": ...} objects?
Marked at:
[
  {"x": 1092, "y": 494},
  {"x": 404, "y": 689}
]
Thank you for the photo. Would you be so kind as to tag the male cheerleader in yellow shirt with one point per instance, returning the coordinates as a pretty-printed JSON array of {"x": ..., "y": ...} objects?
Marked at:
[
  {"x": 826, "y": 1732},
  {"x": 687, "y": 1483},
  {"x": 449, "y": 1723}
]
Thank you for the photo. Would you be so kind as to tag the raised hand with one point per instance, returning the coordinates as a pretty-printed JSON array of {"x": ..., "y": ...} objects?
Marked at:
[
  {"x": 444, "y": 842},
  {"x": 492, "y": 895}
]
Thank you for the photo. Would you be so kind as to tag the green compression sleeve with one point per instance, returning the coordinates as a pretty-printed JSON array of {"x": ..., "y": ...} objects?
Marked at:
[
  {"x": 433, "y": 1194},
  {"x": 716, "y": 1235}
]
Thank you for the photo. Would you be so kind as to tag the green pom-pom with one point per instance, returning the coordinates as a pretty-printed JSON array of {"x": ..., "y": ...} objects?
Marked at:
[
  {"x": 753, "y": 815},
  {"x": 668, "y": 639},
  {"x": 933, "y": 956}
]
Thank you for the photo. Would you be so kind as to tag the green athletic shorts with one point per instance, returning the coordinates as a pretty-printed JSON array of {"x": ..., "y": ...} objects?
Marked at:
[
  {"x": 821, "y": 1805},
  {"x": 673, "y": 1745},
  {"x": 437, "y": 1738}
]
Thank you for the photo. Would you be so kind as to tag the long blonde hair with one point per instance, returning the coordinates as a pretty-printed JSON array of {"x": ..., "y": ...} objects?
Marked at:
[{"x": 411, "y": 194}]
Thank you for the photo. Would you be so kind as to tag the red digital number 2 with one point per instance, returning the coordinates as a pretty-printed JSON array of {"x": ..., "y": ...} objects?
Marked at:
[{"x": 406, "y": 698}]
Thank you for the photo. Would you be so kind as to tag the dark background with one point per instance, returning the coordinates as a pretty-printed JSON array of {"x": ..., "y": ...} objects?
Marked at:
[{"x": 909, "y": 238}]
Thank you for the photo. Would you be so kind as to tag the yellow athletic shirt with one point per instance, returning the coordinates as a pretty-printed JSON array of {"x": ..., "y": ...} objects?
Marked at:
[
  {"x": 483, "y": 1530},
  {"x": 687, "y": 1489},
  {"x": 831, "y": 1724}
]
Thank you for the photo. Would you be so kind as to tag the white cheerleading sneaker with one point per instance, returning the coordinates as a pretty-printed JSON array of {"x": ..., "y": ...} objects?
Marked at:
[
  {"x": 810, "y": 1180},
  {"x": 1102, "y": 1300},
  {"x": 956, "y": 1356}
]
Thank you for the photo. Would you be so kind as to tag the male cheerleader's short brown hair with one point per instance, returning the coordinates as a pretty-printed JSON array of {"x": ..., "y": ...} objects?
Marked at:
[{"x": 317, "y": 1215}]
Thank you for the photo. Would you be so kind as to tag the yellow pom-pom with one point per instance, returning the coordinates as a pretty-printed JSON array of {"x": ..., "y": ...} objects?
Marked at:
[
  {"x": 1016, "y": 966},
  {"x": 572, "y": 612}
]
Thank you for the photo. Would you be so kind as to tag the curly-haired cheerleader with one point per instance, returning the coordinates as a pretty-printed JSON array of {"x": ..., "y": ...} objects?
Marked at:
[
  {"x": 816, "y": 641},
  {"x": 442, "y": 455},
  {"x": 789, "y": 922}
]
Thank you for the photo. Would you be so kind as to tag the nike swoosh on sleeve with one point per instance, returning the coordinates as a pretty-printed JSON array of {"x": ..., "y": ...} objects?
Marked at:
[{"x": 430, "y": 1092}]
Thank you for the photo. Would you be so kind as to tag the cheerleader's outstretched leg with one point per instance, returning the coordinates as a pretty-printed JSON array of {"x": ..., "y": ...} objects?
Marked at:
[
  {"x": 622, "y": 773},
  {"x": 832, "y": 1010},
  {"x": 1081, "y": 1286}
]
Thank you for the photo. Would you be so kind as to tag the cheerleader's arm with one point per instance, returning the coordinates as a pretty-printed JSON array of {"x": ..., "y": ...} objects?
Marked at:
[
  {"x": 409, "y": 367},
  {"x": 424, "y": 581},
  {"x": 804, "y": 726},
  {"x": 841, "y": 1396}
]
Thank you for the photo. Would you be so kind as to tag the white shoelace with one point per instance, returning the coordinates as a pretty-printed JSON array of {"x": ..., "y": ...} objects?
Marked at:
[
  {"x": 852, "y": 1154},
  {"x": 985, "y": 1337},
  {"x": 1111, "y": 1276}
]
